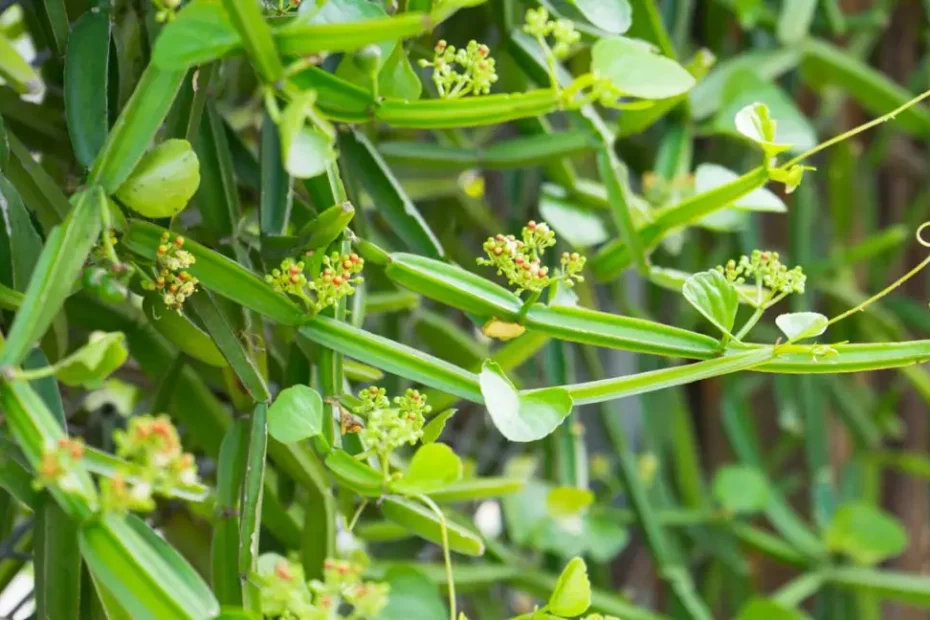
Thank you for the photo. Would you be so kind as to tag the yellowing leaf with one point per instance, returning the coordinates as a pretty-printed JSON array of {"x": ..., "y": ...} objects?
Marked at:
[{"x": 502, "y": 330}]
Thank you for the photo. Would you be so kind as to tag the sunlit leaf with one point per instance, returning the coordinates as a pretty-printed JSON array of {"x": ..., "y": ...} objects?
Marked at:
[
  {"x": 714, "y": 297},
  {"x": 296, "y": 414},
  {"x": 95, "y": 361},
  {"x": 637, "y": 71},
  {"x": 801, "y": 325},
  {"x": 433, "y": 467},
  {"x": 572, "y": 593},
  {"x": 754, "y": 122},
  {"x": 865, "y": 533},
  {"x": 521, "y": 417},
  {"x": 163, "y": 182}
]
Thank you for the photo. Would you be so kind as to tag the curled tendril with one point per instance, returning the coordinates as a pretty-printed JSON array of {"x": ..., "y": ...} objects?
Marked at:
[{"x": 920, "y": 239}]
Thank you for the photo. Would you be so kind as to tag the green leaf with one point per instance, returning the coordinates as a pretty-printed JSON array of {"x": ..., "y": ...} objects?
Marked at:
[
  {"x": 433, "y": 467},
  {"x": 794, "y": 20},
  {"x": 568, "y": 501},
  {"x": 422, "y": 522},
  {"x": 201, "y": 32},
  {"x": 467, "y": 111},
  {"x": 397, "y": 77},
  {"x": 578, "y": 226},
  {"x": 572, "y": 593},
  {"x": 347, "y": 27},
  {"x": 412, "y": 596},
  {"x": 433, "y": 429},
  {"x": 86, "y": 84},
  {"x": 296, "y": 414},
  {"x": 305, "y": 151},
  {"x": 182, "y": 332},
  {"x": 277, "y": 197},
  {"x": 746, "y": 87},
  {"x": 102, "y": 355},
  {"x": 137, "y": 124},
  {"x": 865, "y": 533},
  {"x": 741, "y": 489},
  {"x": 714, "y": 297},
  {"x": 765, "y": 609},
  {"x": 754, "y": 122},
  {"x": 708, "y": 177},
  {"x": 637, "y": 71},
  {"x": 801, "y": 325},
  {"x": 250, "y": 523},
  {"x": 163, "y": 182},
  {"x": 217, "y": 198},
  {"x": 521, "y": 417},
  {"x": 614, "y": 16}
]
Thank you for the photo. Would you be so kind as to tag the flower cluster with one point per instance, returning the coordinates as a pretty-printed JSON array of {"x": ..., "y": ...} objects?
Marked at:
[
  {"x": 152, "y": 445},
  {"x": 476, "y": 73},
  {"x": 165, "y": 10},
  {"x": 338, "y": 274},
  {"x": 285, "y": 593},
  {"x": 539, "y": 25},
  {"x": 387, "y": 427},
  {"x": 519, "y": 259},
  {"x": 173, "y": 281},
  {"x": 765, "y": 269},
  {"x": 56, "y": 463}
]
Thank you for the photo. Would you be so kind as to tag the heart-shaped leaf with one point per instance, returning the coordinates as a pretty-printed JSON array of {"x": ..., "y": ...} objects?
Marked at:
[
  {"x": 164, "y": 180},
  {"x": 95, "y": 361},
  {"x": 614, "y": 16},
  {"x": 296, "y": 414},
  {"x": 635, "y": 70},
  {"x": 714, "y": 297},
  {"x": 865, "y": 533},
  {"x": 434, "y": 427},
  {"x": 801, "y": 325},
  {"x": 433, "y": 467},
  {"x": 754, "y": 122},
  {"x": 305, "y": 151},
  {"x": 741, "y": 488},
  {"x": 572, "y": 593},
  {"x": 521, "y": 417}
]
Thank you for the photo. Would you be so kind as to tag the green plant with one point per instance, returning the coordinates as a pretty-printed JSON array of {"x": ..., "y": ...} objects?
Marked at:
[{"x": 185, "y": 254}]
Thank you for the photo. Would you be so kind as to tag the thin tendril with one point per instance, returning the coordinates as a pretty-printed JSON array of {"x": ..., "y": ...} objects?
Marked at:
[
  {"x": 358, "y": 513},
  {"x": 894, "y": 284},
  {"x": 446, "y": 554},
  {"x": 857, "y": 130}
]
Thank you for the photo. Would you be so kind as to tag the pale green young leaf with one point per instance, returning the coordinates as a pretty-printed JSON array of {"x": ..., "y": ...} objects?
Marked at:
[
  {"x": 95, "y": 361},
  {"x": 296, "y": 414},
  {"x": 741, "y": 489},
  {"x": 635, "y": 70},
  {"x": 163, "y": 182},
  {"x": 865, "y": 533},
  {"x": 305, "y": 151},
  {"x": 754, "y": 122},
  {"x": 714, "y": 297},
  {"x": 433, "y": 429},
  {"x": 521, "y": 417},
  {"x": 572, "y": 593},
  {"x": 766, "y": 609},
  {"x": 433, "y": 467},
  {"x": 614, "y": 16},
  {"x": 800, "y": 325},
  {"x": 397, "y": 77},
  {"x": 568, "y": 501}
]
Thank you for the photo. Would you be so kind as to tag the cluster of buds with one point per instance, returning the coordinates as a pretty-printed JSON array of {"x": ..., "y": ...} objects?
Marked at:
[
  {"x": 165, "y": 10},
  {"x": 57, "y": 462},
  {"x": 475, "y": 74},
  {"x": 341, "y": 594},
  {"x": 173, "y": 281},
  {"x": 152, "y": 445},
  {"x": 342, "y": 582},
  {"x": 389, "y": 427},
  {"x": 519, "y": 259},
  {"x": 765, "y": 269},
  {"x": 337, "y": 275},
  {"x": 539, "y": 25}
]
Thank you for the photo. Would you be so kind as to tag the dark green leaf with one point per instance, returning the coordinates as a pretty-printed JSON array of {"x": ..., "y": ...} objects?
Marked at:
[{"x": 87, "y": 71}]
